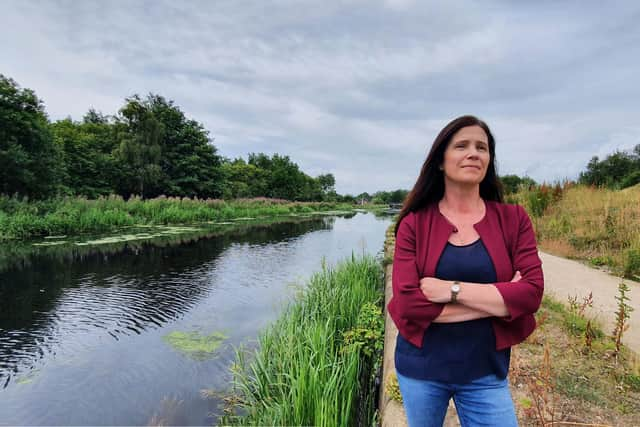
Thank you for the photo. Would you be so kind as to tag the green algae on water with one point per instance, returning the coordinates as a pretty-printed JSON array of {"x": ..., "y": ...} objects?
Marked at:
[
  {"x": 28, "y": 378},
  {"x": 194, "y": 344}
]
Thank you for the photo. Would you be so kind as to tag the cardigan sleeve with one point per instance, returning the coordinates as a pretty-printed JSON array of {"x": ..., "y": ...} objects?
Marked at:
[
  {"x": 523, "y": 297},
  {"x": 411, "y": 307}
]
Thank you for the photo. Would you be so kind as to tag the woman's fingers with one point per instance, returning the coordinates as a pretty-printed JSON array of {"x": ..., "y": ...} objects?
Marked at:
[{"x": 516, "y": 277}]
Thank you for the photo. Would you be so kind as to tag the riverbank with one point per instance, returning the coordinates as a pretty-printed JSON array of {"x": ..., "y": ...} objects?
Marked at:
[
  {"x": 73, "y": 215},
  {"x": 317, "y": 364}
]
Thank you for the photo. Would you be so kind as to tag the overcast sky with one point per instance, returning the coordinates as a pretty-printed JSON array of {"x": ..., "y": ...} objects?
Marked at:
[{"x": 358, "y": 88}]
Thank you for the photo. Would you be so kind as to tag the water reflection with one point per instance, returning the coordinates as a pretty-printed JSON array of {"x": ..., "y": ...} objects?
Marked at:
[{"x": 88, "y": 330}]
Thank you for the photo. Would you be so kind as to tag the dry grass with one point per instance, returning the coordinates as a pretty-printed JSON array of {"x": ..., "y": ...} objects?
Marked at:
[
  {"x": 576, "y": 385},
  {"x": 598, "y": 225}
]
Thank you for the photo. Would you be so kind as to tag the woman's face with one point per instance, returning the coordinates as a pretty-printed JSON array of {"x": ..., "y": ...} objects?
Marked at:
[{"x": 467, "y": 156}]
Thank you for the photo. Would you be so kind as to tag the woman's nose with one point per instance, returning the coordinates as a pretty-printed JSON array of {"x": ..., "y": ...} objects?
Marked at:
[{"x": 473, "y": 154}]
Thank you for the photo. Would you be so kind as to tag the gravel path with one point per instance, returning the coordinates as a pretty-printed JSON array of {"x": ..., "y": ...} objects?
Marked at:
[{"x": 564, "y": 278}]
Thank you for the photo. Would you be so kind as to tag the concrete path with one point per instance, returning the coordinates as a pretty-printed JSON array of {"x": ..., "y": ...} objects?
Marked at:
[{"x": 564, "y": 278}]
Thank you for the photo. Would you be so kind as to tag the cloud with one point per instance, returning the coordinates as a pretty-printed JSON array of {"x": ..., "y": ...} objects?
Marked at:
[{"x": 356, "y": 88}]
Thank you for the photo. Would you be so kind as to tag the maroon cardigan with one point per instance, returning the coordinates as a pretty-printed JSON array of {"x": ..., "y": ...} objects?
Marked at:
[{"x": 507, "y": 234}]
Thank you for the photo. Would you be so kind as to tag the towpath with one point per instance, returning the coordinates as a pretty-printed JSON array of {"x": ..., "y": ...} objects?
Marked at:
[{"x": 564, "y": 278}]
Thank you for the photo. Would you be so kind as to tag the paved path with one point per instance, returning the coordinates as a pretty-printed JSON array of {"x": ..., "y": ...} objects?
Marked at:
[{"x": 564, "y": 278}]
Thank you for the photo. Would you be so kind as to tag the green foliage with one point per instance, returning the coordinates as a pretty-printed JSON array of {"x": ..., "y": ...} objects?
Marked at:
[
  {"x": 386, "y": 197},
  {"x": 618, "y": 170},
  {"x": 30, "y": 164},
  {"x": 21, "y": 219},
  {"x": 393, "y": 388},
  {"x": 368, "y": 335},
  {"x": 536, "y": 199},
  {"x": 304, "y": 372},
  {"x": 139, "y": 134},
  {"x": 632, "y": 262},
  {"x": 599, "y": 261},
  {"x": 623, "y": 313},
  {"x": 149, "y": 148},
  {"x": 513, "y": 183},
  {"x": 90, "y": 166}
]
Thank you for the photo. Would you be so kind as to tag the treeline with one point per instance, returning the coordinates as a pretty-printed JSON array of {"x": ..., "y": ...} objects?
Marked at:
[
  {"x": 148, "y": 148},
  {"x": 618, "y": 170}
]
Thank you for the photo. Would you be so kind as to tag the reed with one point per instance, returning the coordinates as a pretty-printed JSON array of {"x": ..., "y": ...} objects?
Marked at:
[
  {"x": 22, "y": 219},
  {"x": 314, "y": 363}
]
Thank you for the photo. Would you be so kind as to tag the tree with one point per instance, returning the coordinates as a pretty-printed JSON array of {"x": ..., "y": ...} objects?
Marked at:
[
  {"x": 327, "y": 182},
  {"x": 90, "y": 168},
  {"x": 617, "y": 170},
  {"x": 140, "y": 137},
  {"x": 284, "y": 178},
  {"x": 189, "y": 163},
  {"x": 513, "y": 183},
  {"x": 29, "y": 161},
  {"x": 243, "y": 180}
]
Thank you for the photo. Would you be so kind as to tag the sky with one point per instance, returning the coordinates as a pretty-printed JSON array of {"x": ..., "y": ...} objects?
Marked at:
[{"x": 359, "y": 89}]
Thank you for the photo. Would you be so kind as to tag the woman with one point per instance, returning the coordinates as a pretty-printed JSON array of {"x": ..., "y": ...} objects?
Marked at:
[{"x": 467, "y": 280}]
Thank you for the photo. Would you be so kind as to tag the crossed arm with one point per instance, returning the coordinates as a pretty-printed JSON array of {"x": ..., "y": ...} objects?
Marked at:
[{"x": 473, "y": 302}]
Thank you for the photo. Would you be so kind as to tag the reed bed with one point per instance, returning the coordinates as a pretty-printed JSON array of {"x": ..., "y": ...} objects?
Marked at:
[
  {"x": 21, "y": 219},
  {"x": 316, "y": 365}
]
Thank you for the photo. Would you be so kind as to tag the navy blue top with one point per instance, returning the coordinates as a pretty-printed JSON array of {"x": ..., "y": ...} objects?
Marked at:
[{"x": 462, "y": 351}]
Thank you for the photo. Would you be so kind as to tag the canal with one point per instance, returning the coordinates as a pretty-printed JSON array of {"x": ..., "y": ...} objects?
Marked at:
[{"x": 104, "y": 338}]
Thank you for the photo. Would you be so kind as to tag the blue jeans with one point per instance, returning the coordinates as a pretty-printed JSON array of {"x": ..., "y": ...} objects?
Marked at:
[{"x": 485, "y": 401}]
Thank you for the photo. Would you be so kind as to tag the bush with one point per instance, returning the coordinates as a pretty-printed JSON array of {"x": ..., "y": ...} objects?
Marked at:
[{"x": 632, "y": 263}]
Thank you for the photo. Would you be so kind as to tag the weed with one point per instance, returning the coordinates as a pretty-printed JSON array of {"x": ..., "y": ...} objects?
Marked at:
[
  {"x": 393, "y": 388},
  {"x": 542, "y": 393},
  {"x": 622, "y": 316}
]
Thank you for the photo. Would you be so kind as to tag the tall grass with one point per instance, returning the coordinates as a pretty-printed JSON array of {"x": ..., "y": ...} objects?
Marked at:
[
  {"x": 20, "y": 219},
  {"x": 595, "y": 224},
  {"x": 316, "y": 364}
]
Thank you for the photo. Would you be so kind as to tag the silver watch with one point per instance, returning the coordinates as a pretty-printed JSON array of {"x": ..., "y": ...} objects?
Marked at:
[{"x": 455, "y": 290}]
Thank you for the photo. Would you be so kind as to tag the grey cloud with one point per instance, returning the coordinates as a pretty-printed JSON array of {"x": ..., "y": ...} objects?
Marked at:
[{"x": 356, "y": 88}]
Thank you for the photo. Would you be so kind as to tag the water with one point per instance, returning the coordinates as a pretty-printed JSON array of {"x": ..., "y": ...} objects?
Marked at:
[{"x": 83, "y": 341}]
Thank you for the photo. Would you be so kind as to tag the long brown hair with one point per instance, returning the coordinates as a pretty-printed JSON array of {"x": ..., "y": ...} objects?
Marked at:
[{"x": 429, "y": 188}]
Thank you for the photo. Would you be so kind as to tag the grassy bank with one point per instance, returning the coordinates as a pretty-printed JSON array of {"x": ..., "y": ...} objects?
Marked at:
[
  {"x": 316, "y": 364},
  {"x": 597, "y": 225},
  {"x": 569, "y": 371},
  {"x": 70, "y": 216}
]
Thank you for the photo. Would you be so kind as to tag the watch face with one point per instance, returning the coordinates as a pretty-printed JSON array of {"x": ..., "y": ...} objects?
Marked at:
[{"x": 455, "y": 288}]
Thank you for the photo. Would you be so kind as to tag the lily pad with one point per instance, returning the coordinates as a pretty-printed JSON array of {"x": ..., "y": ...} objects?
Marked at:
[
  {"x": 60, "y": 242},
  {"x": 194, "y": 344}
]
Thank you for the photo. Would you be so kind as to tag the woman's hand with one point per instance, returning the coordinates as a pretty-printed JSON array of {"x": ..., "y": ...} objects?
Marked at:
[
  {"x": 516, "y": 277},
  {"x": 436, "y": 290}
]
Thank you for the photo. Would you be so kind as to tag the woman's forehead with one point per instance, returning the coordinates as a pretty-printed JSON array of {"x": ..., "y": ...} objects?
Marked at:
[{"x": 470, "y": 133}]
